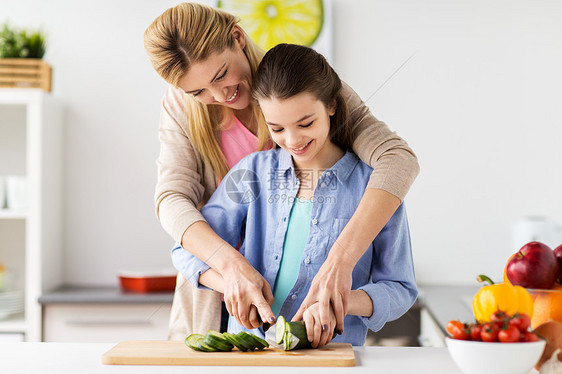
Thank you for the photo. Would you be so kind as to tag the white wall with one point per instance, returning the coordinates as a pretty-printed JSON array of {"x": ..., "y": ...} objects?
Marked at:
[{"x": 479, "y": 102}]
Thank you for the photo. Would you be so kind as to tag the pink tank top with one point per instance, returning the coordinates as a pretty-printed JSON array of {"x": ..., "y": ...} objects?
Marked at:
[{"x": 237, "y": 142}]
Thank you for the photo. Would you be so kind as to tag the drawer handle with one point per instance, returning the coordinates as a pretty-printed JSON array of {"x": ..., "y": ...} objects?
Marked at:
[{"x": 79, "y": 322}]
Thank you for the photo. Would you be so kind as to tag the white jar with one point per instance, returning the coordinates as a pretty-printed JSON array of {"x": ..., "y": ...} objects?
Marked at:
[
  {"x": 2, "y": 193},
  {"x": 16, "y": 192}
]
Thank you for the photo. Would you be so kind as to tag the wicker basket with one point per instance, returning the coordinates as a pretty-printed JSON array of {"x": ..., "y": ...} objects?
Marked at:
[{"x": 25, "y": 73}]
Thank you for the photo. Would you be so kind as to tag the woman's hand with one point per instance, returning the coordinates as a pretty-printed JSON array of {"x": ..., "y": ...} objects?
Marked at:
[
  {"x": 329, "y": 291},
  {"x": 318, "y": 333},
  {"x": 247, "y": 295}
]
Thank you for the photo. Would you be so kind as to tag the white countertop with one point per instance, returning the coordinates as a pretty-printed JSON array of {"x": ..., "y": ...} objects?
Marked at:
[{"x": 85, "y": 358}]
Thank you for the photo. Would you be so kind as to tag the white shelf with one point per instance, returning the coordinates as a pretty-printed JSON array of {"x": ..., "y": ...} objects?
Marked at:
[
  {"x": 31, "y": 244},
  {"x": 12, "y": 214},
  {"x": 15, "y": 323}
]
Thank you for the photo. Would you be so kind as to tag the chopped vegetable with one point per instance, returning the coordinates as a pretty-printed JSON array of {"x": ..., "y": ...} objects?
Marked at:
[{"x": 214, "y": 341}]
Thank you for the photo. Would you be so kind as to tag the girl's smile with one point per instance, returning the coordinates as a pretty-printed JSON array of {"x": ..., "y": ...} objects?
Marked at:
[
  {"x": 301, "y": 150},
  {"x": 301, "y": 125}
]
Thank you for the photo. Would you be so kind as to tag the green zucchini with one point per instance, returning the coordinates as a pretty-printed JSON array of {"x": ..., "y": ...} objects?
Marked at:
[
  {"x": 204, "y": 346},
  {"x": 280, "y": 330},
  {"x": 247, "y": 340},
  {"x": 298, "y": 330},
  {"x": 218, "y": 345},
  {"x": 191, "y": 341},
  {"x": 237, "y": 342},
  {"x": 253, "y": 341},
  {"x": 261, "y": 341},
  {"x": 285, "y": 331},
  {"x": 216, "y": 340}
]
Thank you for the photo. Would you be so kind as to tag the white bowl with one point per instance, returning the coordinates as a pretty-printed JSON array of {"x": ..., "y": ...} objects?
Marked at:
[{"x": 494, "y": 358}]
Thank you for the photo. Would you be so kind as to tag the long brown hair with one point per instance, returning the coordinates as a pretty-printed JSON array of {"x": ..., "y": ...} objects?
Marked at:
[
  {"x": 189, "y": 33},
  {"x": 289, "y": 69}
]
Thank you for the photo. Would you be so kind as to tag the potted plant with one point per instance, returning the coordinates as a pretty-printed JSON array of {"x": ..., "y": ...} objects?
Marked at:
[{"x": 21, "y": 64}]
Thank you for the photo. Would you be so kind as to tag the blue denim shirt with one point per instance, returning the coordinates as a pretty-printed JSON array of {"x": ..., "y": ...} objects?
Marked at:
[{"x": 252, "y": 205}]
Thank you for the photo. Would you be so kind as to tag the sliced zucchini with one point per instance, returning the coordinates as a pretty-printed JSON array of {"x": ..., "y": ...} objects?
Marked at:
[
  {"x": 191, "y": 341},
  {"x": 254, "y": 341},
  {"x": 218, "y": 341},
  {"x": 287, "y": 340},
  {"x": 218, "y": 345},
  {"x": 236, "y": 341},
  {"x": 263, "y": 343},
  {"x": 204, "y": 346},
  {"x": 215, "y": 335},
  {"x": 247, "y": 340},
  {"x": 280, "y": 329}
]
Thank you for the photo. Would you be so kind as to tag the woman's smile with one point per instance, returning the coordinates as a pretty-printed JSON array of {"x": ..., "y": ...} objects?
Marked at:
[{"x": 234, "y": 97}]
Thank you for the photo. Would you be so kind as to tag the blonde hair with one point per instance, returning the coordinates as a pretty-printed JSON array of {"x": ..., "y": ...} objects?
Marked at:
[{"x": 189, "y": 33}]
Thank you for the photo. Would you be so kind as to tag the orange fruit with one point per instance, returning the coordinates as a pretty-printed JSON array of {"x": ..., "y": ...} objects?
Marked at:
[
  {"x": 547, "y": 305},
  {"x": 505, "y": 279}
]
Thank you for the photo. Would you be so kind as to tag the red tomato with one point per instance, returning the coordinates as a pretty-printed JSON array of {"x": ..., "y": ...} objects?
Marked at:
[
  {"x": 510, "y": 334},
  {"x": 499, "y": 316},
  {"x": 528, "y": 336},
  {"x": 476, "y": 331},
  {"x": 489, "y": 332},
  {"x": 521, "y": 321},
  {"x": 457, "y": 330}
]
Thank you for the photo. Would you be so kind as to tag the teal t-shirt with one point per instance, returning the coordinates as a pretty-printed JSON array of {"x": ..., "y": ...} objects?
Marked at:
[{"x": 293, "y": 248}]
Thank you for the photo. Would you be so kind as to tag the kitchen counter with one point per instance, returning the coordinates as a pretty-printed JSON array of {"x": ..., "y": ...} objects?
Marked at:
[
  {"x": 113, "y": 295},
  {"x": 47, "y": 358},
  {"x": 445, "y": 303}
]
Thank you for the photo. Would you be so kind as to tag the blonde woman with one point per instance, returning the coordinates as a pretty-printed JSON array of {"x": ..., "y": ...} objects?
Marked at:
[{"x": 208, "y": 123}]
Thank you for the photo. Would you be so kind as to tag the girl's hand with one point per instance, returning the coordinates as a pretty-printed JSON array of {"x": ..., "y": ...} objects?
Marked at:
[
  {"x": 247, "y": 296},
  {"x": 330, "y": 289},
  {"x": 318, "y": 333}
]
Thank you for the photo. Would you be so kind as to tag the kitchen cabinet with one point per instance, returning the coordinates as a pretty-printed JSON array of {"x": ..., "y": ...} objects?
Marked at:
[
  {"x": 30, "y": 237},
  {"x": 102, "y": 323},
  {"x": 104, "y": 314}
]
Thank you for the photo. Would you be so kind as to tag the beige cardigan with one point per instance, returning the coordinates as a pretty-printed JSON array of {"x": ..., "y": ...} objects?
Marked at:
[{"x": 185, "y": 182}]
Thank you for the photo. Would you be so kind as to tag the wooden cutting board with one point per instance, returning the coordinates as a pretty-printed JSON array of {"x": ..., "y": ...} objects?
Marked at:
[{"x": 177, "y": 353}]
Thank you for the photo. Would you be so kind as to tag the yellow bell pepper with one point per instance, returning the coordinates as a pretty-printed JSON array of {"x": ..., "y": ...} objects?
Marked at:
[{"x": 504, "y": 297}]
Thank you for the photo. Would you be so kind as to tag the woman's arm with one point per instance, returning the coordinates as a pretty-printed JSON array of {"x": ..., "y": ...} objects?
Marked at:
[
  {"x": 214, "y": 280},
  {"x": 246, "y": 292},
  {"x": 395, "y": 167},
  {"x": 183, "y": 184}
]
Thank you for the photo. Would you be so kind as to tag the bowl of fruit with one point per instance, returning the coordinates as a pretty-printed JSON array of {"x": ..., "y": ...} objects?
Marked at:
[
  {"x": 539, "y": 269},
  {"x": 503, "y": 345}
]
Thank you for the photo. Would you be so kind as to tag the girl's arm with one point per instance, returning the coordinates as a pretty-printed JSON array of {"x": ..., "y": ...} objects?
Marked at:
[
  {"x": 360, "y": 304},
  {"x": 395, "y": 167}
]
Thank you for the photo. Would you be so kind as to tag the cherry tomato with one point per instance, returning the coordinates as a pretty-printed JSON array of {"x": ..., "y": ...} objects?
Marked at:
[
  {"x": 521, "y": 321},
  {"x": 499, "y": 316},
  {"x": 457, "y": 330},
  {"x": 489, "y": 332},
  {"x": 476, "y": 331},
  {"x": 528, "y": 336},
  {"x": 510, "y": 334}
]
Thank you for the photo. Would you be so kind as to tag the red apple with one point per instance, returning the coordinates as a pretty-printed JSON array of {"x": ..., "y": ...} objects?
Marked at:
[
  {"x": 558, "y": 254},
  {"x": 534, "y": 266}
]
